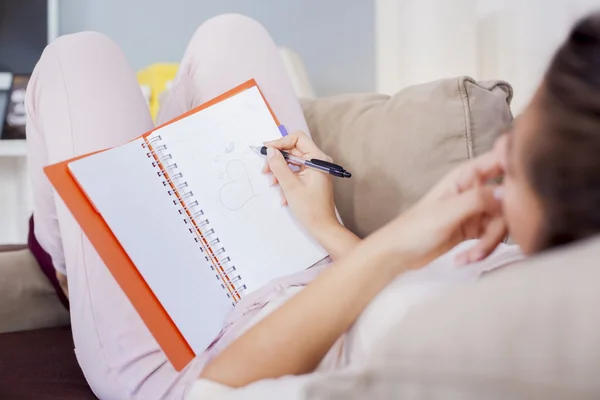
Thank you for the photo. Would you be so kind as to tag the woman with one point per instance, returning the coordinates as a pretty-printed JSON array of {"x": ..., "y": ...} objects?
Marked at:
[{"x": 549, "y": 197}]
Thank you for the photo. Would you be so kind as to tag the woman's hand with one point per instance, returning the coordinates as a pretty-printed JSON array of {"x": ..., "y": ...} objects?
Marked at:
[
  {"x": 309, "y": 193},
  {"x": 431, "y": 228},
  {"x": 486, "y": 167},
  {"x": 461, "y": 206}
]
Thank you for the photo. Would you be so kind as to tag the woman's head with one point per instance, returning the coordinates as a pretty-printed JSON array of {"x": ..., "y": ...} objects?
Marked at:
[{"x": 552, "y": 185}]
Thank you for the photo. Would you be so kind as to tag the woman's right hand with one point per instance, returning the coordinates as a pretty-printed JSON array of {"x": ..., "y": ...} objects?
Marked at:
[{"x": 309, "y": 193}]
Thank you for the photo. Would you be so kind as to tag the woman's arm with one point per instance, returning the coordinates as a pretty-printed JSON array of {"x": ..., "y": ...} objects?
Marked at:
[
  {"x": 337, "y": 240},
  {"x": 295, "y": 337}
]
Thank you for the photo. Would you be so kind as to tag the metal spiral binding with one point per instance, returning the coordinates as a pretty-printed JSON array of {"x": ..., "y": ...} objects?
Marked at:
[{"x": 198, "y": 223}]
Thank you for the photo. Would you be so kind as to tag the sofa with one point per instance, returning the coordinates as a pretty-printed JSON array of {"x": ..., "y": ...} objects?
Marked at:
[{"x": 527, "y": 331}]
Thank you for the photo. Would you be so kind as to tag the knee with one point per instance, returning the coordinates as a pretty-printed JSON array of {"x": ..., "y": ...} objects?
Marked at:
[
  {"x": 227, "y": 26},
  {"x": 84, "y": 52},
  {"x": 74, "y": 59},
  {"x": 232, "y": 22},
  {"x": 81, "y": 44}
]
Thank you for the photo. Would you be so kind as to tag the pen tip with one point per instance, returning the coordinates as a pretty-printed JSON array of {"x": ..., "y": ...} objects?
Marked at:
[
  {"x": 255, "y": 149},
  {"x": 259, "y": 150}
]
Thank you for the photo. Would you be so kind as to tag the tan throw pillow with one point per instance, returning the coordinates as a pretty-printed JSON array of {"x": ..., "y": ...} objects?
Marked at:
[{"x": 398, "y": 147}]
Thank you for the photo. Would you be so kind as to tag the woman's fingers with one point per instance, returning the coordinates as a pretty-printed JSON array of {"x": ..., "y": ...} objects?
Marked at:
[
  {"x": 287, "y": 179},
  {"x": 465, "y": 177},
  {"x": 297, "y": 140},
  {"x": 463, "y": 209},
  {"x": 294, "y": 168},
  {"x": 494, "y": 233},
  {"x": 492, "y": 230},
  {"x": 266, "y": 169},
  {"x": 462, "y": 215},
  {"x": 478, "y": 182},
  {"x": 482, "y": 169},
  {"x": 290, "y": 141},
  {"x": 296, "y": 152},
  {"x": 501, "y": 150}
]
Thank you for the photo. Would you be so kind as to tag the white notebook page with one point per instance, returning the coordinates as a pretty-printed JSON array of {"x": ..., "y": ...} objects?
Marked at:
[
  {"x": 126, "y": 191},
  {"x": 211, "y": 149}
]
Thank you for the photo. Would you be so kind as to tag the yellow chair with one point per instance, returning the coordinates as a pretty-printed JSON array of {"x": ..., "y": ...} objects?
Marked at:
[{"x": 154, "y": 80}]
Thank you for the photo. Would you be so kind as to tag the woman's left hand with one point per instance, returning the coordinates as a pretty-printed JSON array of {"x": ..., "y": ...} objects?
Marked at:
[
  {"x": 470, "y": 174},
  {"x": 460, "y": 207},
  {"x": 430, "y": 229}
]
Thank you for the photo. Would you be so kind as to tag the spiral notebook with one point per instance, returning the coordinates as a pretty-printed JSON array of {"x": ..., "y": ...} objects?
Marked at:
[{"x": 185, "y": 219}]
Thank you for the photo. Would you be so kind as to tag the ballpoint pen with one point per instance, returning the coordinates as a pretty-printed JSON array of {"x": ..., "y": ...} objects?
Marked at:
[{"x": 320, "y": 165}]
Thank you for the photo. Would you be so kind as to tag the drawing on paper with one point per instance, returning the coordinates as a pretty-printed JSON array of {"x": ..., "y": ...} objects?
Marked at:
[
  {"x": 238, "y": 191},
  {"x": 217, "y": 159},
  {"x": 230, "y": 148}
]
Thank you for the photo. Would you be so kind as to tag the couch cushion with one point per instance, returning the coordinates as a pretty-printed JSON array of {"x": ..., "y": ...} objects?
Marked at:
[
  {"x": 27, "y": 298},
  {"x": 398, "y": 147},
  {"x": 527, "y": 331},
  {"x": 41, "y": 365}
]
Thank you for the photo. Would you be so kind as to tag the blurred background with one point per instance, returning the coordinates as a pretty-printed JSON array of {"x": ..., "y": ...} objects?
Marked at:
[
  {"x": 355, "y": 45},
  {"x": 329, "y": 46}
]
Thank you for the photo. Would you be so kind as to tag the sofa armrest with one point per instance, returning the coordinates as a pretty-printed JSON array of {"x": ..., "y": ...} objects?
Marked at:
[
  {"x": 27, "y": 298},
  {"x": 12, "y": 247}
]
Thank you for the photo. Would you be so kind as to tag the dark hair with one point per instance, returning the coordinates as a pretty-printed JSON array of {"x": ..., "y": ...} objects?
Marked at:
[{"x": 564, "y": 168}]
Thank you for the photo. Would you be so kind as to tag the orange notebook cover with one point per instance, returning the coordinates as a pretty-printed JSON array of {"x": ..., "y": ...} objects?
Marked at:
[{"x": 116, "y": 259}]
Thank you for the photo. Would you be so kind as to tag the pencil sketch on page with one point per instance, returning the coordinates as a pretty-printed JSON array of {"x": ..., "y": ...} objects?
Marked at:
[{"x": 238, "y": 191}]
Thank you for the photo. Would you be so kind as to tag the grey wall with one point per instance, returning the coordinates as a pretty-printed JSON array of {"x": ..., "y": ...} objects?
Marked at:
[{"x": 335, "y": 38}]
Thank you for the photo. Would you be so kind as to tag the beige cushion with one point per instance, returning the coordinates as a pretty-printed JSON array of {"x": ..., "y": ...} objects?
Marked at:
[
  {"x": 398, "y": 147},
  {"x": 27, "y": 299},
  {"x": 527, "y": 331}
]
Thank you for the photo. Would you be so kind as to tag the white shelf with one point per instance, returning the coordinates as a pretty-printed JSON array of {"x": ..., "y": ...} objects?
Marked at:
[{"x": 13, "y": 148}]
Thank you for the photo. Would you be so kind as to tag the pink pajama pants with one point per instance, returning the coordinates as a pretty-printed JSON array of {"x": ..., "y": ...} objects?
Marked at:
[{"x": 83, "y": 97}]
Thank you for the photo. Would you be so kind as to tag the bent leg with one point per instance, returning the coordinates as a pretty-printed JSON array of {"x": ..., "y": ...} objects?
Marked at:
[
  {"x": 84, "y": 97},
  {"x": 224, "y": 52}
]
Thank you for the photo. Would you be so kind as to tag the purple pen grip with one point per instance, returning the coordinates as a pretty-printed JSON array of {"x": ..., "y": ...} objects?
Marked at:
[{"x": 283, "y": 131}]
